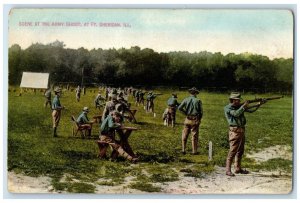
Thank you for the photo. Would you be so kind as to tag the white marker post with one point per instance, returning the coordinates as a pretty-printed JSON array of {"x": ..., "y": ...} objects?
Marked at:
[{"x": 210, "y": 150}]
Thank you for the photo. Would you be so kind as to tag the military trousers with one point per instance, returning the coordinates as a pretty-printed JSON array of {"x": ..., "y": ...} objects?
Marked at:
[
  {"x": 87, "y": 127},
  {"x": 56, "y": 114},
  {"x": 191, "y": 125},
  {"x": 77, "y": 96},
  {"x": 237, "y": 146},
  {"x": 109, "y": 139},
  {"x": 172, "y": 113},
  {"x": 150, "y": 106}
]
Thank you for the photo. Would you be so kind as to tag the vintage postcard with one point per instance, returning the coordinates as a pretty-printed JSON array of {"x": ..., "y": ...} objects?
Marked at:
[{"x": 150, "y": 101}]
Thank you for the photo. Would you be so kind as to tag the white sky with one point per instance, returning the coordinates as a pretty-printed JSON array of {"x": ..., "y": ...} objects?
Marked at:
[{"x": 266, "y": 32}]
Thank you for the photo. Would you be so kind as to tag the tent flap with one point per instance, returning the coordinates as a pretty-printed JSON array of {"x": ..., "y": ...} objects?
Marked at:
[{"x": 35, "y": 80}]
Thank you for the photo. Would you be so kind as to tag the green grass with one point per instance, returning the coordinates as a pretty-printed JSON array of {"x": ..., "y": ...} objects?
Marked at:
[
  {"x": 147, "y": 187},
  {"x": 33, "y": 150}
]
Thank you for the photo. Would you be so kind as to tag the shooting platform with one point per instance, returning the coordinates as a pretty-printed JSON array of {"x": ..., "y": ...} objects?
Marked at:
[
  {"x": 130, "y": 115},
  {"x": 97, "y": 118}
]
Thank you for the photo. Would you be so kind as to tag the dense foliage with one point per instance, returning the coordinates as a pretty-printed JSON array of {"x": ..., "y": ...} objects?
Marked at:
[{"x": 136, "y": 66}]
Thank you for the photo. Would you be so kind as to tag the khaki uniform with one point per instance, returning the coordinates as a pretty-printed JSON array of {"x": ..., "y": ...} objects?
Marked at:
[
  {"x": 172, "y": 106},
  {"x": 192, "y": 108},
  {"x": 150, "y": 102},
  {"x": 191, "y": 125},
  {"x": 236, "y": 136},
  {"x": 237, "y": 143},
  {"x": 107, "y": 130},
  {"x": 56, "y": 113},
  {"x": 78, "y": 92}
]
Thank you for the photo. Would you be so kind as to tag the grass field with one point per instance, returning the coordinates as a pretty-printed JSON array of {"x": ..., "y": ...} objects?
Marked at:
[{"x": 73, "y": 164}]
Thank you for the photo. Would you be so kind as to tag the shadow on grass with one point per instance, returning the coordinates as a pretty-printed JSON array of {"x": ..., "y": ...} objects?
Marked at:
[
  {"x": 75, "y": 155},
  {"x": 142, "y": 123},
  {"x": 161, "y": 157}
]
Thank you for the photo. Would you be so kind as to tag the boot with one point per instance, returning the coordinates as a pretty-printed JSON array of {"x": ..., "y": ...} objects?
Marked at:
[
  {"x": 54, "y": 132},
  {"x": 238, "y": 168},
  {"x": 126, "y": 155},
  {"x": 195, "y": 147},
  {"x": 228, "y": 168}
]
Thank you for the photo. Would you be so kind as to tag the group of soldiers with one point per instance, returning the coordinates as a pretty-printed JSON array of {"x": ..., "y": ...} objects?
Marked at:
[{"x": 191, "y": 107}]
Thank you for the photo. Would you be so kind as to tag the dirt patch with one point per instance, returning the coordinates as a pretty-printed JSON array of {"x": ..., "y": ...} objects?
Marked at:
[
  {"x": 277, "y": 151},
  {"x": 19, "y": 183},
  {"x": 216, "y": 183},
  {"x": 263, "y": 182}
]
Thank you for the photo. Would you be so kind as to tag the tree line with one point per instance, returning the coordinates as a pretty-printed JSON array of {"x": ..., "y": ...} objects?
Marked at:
[{"x": 146, "y": 67}]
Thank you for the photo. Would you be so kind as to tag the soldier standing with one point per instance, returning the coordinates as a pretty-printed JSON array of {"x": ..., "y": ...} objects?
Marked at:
[
  {"x": 137, "y": 97},
  {"x": 192, "y": 108},
  {"x": 172, "y": 106},
  {"x": 142, "y": 99},
  {"x": 234, "y": 113},
  {"x": 56, "y": 113},
  {"x": 78, "y": 92},
  {"x": 106, "y": 93},
  {"x": 150, "y": 102},
  {"x": 47, "y": 98}
]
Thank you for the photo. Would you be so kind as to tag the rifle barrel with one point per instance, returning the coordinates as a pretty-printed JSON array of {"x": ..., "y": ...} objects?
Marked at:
[{"x": 264, "y": 99}]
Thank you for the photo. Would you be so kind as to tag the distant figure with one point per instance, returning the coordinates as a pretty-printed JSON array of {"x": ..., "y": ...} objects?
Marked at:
[
  {"x": 150, "y": 102},
  {"x": 110, "y": 106},
  {"x": 234, "y": 113},
  {"x": 107, "y": 90},
  {"x": 98, "y": 100},
  {"x": 56, "y": 113},
  {"x": 191, "y": 107},
  {"x": 172, "y": 106},
  {"x": 84, "y": 122},
  {"x": 107, "y": 134},
  {"x": 137, "y": 97},
  {"x": 78, "y": 92},
  {"x": 122, "y": 105},
  {"x": 47, "y": 95},
  {"x": 141, "y": 97},
  {"x": 112, "y": 92},
  {"x": 84, "y": 89}
]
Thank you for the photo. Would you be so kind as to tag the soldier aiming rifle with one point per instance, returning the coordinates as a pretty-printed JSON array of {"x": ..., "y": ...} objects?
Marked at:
[
  {"x": 150, "y": 102},
  {"x": 234, "y": 113},
  {"x": 99, "y": 100}
]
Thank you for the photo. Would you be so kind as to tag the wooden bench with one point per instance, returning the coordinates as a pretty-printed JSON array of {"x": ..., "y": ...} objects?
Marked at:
[
  {"x": 130, "y": 115},
  {"x": 97, "y": 118},
  {"x": 102, "y": 149},
  {"x": 124, "y": 134}
]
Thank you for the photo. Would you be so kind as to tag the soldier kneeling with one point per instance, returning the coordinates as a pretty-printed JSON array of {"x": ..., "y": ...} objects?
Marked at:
[{"x": 107, "y": 129}]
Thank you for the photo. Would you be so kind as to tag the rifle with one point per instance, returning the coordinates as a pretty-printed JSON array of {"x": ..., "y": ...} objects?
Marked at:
[{"x": 261, "y": 100}]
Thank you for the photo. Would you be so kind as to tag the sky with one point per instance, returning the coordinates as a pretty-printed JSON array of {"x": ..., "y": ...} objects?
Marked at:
[{"x": 260, "y": 31}]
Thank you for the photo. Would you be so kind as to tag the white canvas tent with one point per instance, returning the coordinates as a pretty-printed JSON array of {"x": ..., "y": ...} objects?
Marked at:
[{"x": 35, "y": 80}]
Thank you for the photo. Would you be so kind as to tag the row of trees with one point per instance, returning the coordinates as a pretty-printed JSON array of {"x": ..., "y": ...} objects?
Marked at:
[{"x": 136, "y": 66}]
